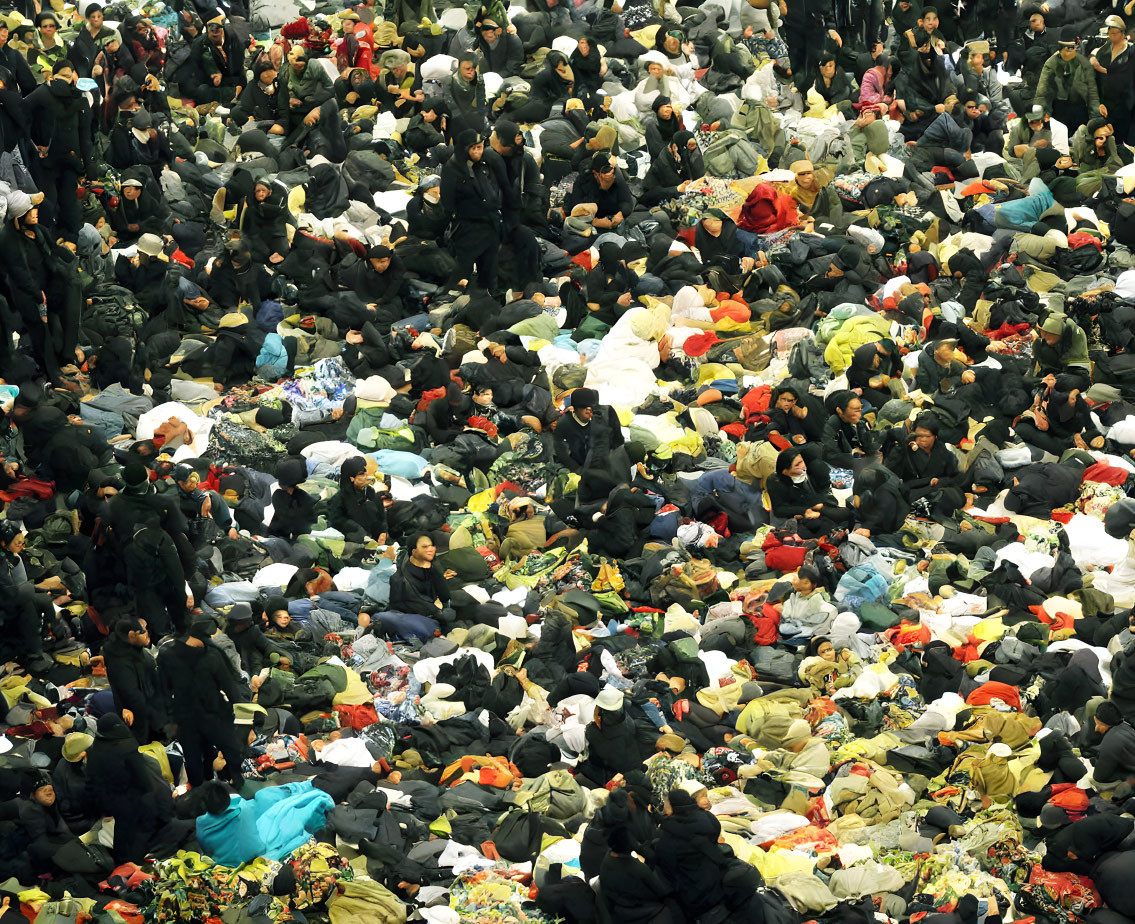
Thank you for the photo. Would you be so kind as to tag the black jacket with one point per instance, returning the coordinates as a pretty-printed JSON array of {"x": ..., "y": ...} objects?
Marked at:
[
  {"x": 132, "y": 673},
  {"x": 575, "y": 442},
  {"x": 414, "y": 590},
  {"x": 60, "y": 120},
  {"x": 200, "y": 683},
  {"x": 475, "y": 192}
]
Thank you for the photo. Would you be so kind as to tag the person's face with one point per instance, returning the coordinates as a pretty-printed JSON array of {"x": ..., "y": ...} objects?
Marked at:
[
  {"x": 1099, "y": 726},
  {"x": 425, "y": 550},
  {"x": 672, "y": 45},
  {"x": 702, "y": 800},
  {"x": 973, "y": 110},
  {"x": 140, "y": 639},
  {"x": 94, "y": 21},
  {"x": 31, "y": 218},
  {"x": 260, "y": 193},
  {"x": 930, "y": 22},
  {"x": 584, "y": 47},
  {"x": 1036, "y": 124},
  {"x": 131, "y": 192},
  {"x": 48, "y": 28},
  {"x": 113, "y": 46},
  {"x": 826, "y": 651},
  {"x": 944, "y": 354},
  {"x": 281, "y": 619},
  {"x": 584, "y": 413},
  {"x": 216, "y": 34},
  {"x": 977, "y": 62},
  {"x": 399, "y": 71},
  {"x": 712, "y": 225},
  {"x": 484, "y": 398},
  {"x": 3, "y": 36},
  {"x": 924, "y": 439},
  {"x": 827, "y": 69},
  {"x": 606, "y": 179},
  {"x": 1036, "y": 22},
  {"x": 786, "y": 401},
  {"x": 268, "y": 77},
  {"x": 654, "y": 69},
  {"x": 44, "y": 796},
  {"x": 1050, "y": 339},
  {"x": 806, "y": 179},
  {"x": 491, "y": 35},
  {"x": 665, "y": 111},
  {"x": 1116, "y": 35},
  {"x": 1067, "y": 52},
  {"x": 360, "y": 480},
  {"x": 298, "y": 61},
  {"x": 348, "y": 26},
  {"x": 380, "y": 265},
  {"x": 797, "y": 468},
  {"x": 852, "y": 412},
  {"x": 803, "y": 585},
  {"x": 477, "y": 151},
  {"x": 16, "y": 546},
  {"x": 468, "y": 70},
  {"x": 429, "y": 115}
]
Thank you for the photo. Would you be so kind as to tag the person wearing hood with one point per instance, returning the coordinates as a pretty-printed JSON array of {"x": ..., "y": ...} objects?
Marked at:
[
  {"x": 923, "y": 88},
  {"x": 293, "y": 508},
  {"x": 881, "y": 508},
  {"x": 671, "y": 172},
  {"x": 528, "y": 198},
  {"x": 419, "y": 586},
  {"x": 474, "y": 191},
  {"x": 129, "y": 787},
  {"x": 132, "y": 672},
  {"x": 630, "y": 889},
  {"x": 564, "y": 141},
  {"x": 553, "y": 84},
  {"x": 690, "y": 854},
  {"x": 425, "y": 215},
  {"x": 357, "y": 88},
  {"x": 49, "y": 843},
  {"x": 202, "y": 688},
  {"x": 38, "y": 273},
  {"x": 258, "y": 100},
  {"x": 253, "y": 648},
  {"x": 24, "y": 612},
  {"x": 848, "y": 441},
  {"x": 1061, "y": 349},
  {"x": 134, "y": 142},
  {"x": 979, "y": 78},
  {"x": 428, "y": 131},
  {"x": 660, "y": 127},
  {"x": 60, "y": 123},
  {"x": 399, "y": 85},
  {"x": 464, "y": 97},
  {"x": 926, "y": 467},
  {"x": 1093, "y": 149},
  {"x": 498, "y": 51},
  {"x": 447, "y": 416},
  {"x": 795, "y": 495},
  {"x": 265, "y": 220},
  {"x": 813, "y": 194},
  {"x": 358, "y": 511},
  {"x": 589, "y": 431}
]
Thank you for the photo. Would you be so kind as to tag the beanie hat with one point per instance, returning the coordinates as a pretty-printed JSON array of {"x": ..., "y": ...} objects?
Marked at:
[
  {"x": 274, "y": 603},
  {"x": 240, "y": 613},
  {"x": 1109, "y": 713},
  {"x": 135, "y": 475},
  {"x": 202, "y": 629},
  {"x": 584, "y": 397},
  {"x": 19, "y": 203},
  {"x": 36, "y": 780},
  {"x": 291, "y": 472}
]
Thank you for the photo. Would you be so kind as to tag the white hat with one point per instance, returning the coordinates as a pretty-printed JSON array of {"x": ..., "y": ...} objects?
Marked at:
[
  {"x": 610, "y": 699},
  {"x": 691, "y": 787},
  {"x": 797, "y": 730},
  {"x": 19, "y": 203},
  {"x": 1000, "y": 749},
  {"x": 513, "y": 626},
  {"x": 375, "y": 388}
]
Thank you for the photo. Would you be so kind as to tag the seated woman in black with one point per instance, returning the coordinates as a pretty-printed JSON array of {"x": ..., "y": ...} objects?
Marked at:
[
  {"x": 880, "y": 506},
  {"x": 873, "y": 365},
  {"x": 927, "y": 468},
  {"x": 793, "y": 424},
  {"x": 848, "y": 441},
  {"x": 357, "y": 511},
  {"x": 794, "y": 496}
]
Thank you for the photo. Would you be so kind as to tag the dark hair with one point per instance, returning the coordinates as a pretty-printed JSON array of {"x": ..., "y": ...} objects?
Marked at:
[
  {"x": 784, "y": 390},
  {"x": 928, "y": 421},
  {"x": 841, "y": 399},
  {"x": 215, "y": 796},
  {"x": 928, "y": 9},
  {"x": 814, "y": 644},
  {"x": 124, "y": 627},
  {"x": 412, "y": 539},
  {"x": 786, "y": 459},
  {"x": 619, "y": 839},
  {"x": 826, "y": 58}
]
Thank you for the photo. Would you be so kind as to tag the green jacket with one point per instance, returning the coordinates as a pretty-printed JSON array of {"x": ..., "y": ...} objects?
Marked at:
[
  {"x": 1068, "y": 80},
  {"x": 1070, "y": 350},
  {"x": 313, "y": 87},
  {"x": 1083, "y": 150}
]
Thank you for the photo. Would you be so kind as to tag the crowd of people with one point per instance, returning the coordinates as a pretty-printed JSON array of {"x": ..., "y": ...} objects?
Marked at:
[{"x": 568, "y": 462}]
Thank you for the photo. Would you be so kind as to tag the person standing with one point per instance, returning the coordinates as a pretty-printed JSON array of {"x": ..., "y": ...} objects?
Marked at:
[
  {"x": 132, "y": 672},
  {"x": 1067, "y": 85},
  {"x": 473, "y": 184},
  {"x": 1114, "y": 65},
  {"x": 202, "y": 688}
]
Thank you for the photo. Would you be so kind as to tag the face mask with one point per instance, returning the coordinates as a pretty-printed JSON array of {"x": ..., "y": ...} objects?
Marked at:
[{"x": 800, "y": 479}]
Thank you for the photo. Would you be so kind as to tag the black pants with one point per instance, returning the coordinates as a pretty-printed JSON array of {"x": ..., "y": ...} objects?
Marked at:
[
  {"x": 477, "y": 243},
  {"x": 200, "y": 742},
  {"x": 59, "y": 185}
]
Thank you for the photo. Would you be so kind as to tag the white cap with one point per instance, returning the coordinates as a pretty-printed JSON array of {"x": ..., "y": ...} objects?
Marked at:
[
  {"x": 610, "y": 699},
  {"x": 1000, "y": 749}
]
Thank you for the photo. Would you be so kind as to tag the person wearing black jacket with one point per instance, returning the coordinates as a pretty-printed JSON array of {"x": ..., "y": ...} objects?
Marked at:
[
  {"x": 794, "y": 495},
  {"x": 689, "y": 856},
  {"x": 474, "y": 190},
  {"x": 667, "y": 177},
  {"x": 600, "y": 185},
  {"x": 15, "y": 63},
  {"x": 60, "y": 122},
  {"x": 417, "y": 586},
  {"x": 589, "y": 431},
  {"x": 497, "y": 51},
  {"x": 803, "y": 25},
  {"x": 527, "y": 195},
  {"x": 873, "y": 366},
  {"x": 293, "y": 508},
  {"x": 848, "y": 441},
  {"x": 631, "y": 890},
  {"x": 202, "y": 688},
  {"x": 220, "y": 58},
  {"x": 357, "y": 511},
  {"x": 132, "y": 672},
  {"x": 253, "y": 647},
  {"x": 446, "y": 417},
  {"x": 257, "y": 102},
  {"x": 927, "y": 468}
]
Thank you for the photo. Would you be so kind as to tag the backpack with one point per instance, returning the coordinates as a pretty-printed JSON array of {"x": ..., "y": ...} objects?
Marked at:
[
  {"x": 112, "y": 313},
  {"x": 519, "y": 835},
  {"x": 806, "y": 361},
  {"x": 731, "y": 152},
  {"x": 555, "y": 794}
]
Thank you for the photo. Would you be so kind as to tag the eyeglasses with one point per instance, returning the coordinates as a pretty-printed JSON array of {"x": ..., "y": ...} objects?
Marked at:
[{"x": 49, "y": 25}]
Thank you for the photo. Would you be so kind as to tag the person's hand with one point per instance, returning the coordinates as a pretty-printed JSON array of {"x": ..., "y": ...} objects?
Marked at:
[
  {"x": 811, "y": 514},
  {"x": 835, "y": 38},
  {"x": 354, "y": 336},
  {"x": 747, "y": 264},
  {"x": 96, "y": 70},
  {"x": 772, "y": 101},
  {"x": 863, "y": 531},
  {"x": 216, "y": 80},
  {"x": 1073, "y": 395},
  {"x": 128, "y": 717},
  {"x": 352, "y": 97},
  {"x": 616, "y": 219},
  {"x": 1041, "y": 143},
  {"x": 450, "y": 574},
  {"x": 311, "y": 118},
  {"x": 940, "y": 108},
  {"x": 799, "y": 439},
  {"x": 968, "y": 378},
  {"x": 218, "y": 763},
  {"x": 933, "y": 482},
  {"x": 683, "y": 186},
  {"x": 624, "y": 299},
  {"x": 1103, "y": 108},
  {"x": 11, "y": 469},
  {"x": 206, "y": 506},
  {"x": 748, "y": 32},
  {"x": 1049, "y": 381},
  {"x": 498, "y": 352}
]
